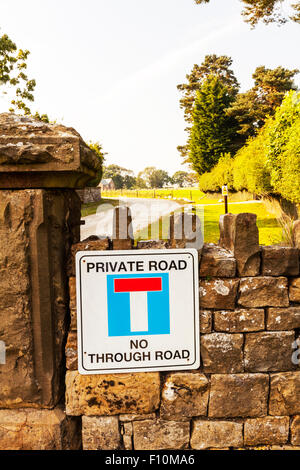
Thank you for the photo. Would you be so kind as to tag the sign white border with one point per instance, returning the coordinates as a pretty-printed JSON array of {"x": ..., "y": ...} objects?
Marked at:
[{"x": 196, "y": 316}]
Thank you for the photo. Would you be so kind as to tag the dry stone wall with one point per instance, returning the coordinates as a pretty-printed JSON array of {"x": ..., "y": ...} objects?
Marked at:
[{"x": 246, "y": 392}]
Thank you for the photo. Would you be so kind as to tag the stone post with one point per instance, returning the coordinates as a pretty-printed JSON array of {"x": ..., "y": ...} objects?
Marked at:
[
  {"x": 40, "y": 167},
  {"x": 239, "y": 235}
]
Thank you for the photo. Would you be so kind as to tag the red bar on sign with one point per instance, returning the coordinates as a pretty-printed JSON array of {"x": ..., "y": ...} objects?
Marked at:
[{"x": 140, "y": 284}]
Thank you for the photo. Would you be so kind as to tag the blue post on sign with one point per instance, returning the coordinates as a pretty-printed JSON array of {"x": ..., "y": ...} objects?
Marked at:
[{"x": 138, "y": 304}]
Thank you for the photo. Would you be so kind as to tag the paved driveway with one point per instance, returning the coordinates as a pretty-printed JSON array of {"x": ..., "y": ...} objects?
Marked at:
[{"x": 144, "y": 211}]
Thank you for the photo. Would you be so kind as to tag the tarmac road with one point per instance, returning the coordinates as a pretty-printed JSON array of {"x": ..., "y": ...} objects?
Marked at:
[{"x": 144, "y": 211}]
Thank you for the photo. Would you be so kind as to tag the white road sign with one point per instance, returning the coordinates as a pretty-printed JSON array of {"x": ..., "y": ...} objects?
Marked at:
[{"x": 137, "y": 310}]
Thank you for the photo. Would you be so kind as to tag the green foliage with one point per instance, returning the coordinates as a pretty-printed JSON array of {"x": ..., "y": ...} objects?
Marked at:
[
  {"x": 41, "y": 117},
  {"x": 268, "y": 11},
  {"x": 122, "y": 177},
  {"x": 269, "y": 162},
  {"x": 13, "y": 64},
  {"x": 220, "y": 175},
  {"x": 251, "y": 109},
  {"x": 283, "y": 152},
  {"x": 212, "y": 131},
  {"x": 250, "y": 170},
  {"x": 97, "y": 148},
  {"x": 153, "y": 177},
  {"x": 183, "y": 178},
  {"x": 219, "y": 66}
]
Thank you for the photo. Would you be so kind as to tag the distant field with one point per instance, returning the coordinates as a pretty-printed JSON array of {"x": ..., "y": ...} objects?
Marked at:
[{"x": 192, "y": 194}]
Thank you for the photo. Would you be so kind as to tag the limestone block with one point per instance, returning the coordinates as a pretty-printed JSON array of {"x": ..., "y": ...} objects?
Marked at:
[
  {"x": 73, "y": 308},
  {"x": 205, "y": 321},
  {"x": 35, "y": 154},
  {"x": 269, "y": 351},
  {"x": 28, "y": 429},
  {"x": 100, "y": 433},
  {"x": 158, "y": 434},
  {"x": 222, "y": 353},
  {"x": 127, "y": 435},
  {"x": 216, "y": 434},
  {"x": 218, "y": 293},
  {"x": 295, "y": 431},
  {"x": 153, "y": 245},
  {"x": 238, "y": 395},
  {"x": 217, "y": 262},
  {"x": 270, "y": 430},
  {"x": 263, "y": 291},
  {"x": 239, "y": 234},
  {"x": 71, "y": 351},
  {"x": 283, "y": 318},
  {"x": 127, "y": 418},
  {"x": 280, "y": 261},
  {"x": 112, "y": 394},
  {"x": 36, "y": 230},
  {"x": 284, "y": 394},
  {"x": 239, "y": 320},
  {"x": 294, "y": 289},
  {"x": 185, "y": 394}
]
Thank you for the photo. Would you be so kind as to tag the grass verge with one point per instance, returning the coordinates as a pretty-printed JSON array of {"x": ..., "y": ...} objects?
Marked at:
[{"x": 91, "y": 207}]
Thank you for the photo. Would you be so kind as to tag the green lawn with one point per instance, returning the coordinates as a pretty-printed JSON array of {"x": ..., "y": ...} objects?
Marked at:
[
  {"x": 270, "y": 231},
  {"x": 91, "y": 207}
]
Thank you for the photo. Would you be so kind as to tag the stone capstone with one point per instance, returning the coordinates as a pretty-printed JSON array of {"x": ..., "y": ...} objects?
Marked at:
[{"x": 34, "y": 154}]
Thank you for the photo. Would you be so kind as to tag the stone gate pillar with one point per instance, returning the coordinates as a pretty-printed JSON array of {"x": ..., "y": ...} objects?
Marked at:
[{"x": 40, "y": 167}]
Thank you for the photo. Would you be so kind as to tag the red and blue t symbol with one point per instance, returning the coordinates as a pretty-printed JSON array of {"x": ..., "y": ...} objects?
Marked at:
[{"x": 138, "y": 304}]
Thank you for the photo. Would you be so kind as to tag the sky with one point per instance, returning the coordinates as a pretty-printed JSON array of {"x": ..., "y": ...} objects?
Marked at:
[{"x": 110, "y": 68}]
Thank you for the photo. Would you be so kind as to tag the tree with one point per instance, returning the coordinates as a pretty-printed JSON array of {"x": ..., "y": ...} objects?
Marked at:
[
  {"x": 153, "y": 177},
  {"x": 13, "y": 64},
  {"x": 219, "y": 66},
  {"x": 129, "y": 181},
  {"x": 213, "y": 130},
  {"x": 268, "y": 11},
  {"x": 251, "y": 109},
  {"x": 212, "y": 65},
  {"x": 118, "y": 175},
  {"x": 140, "y": 183},
  {"x": 183, "y": 178}
]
